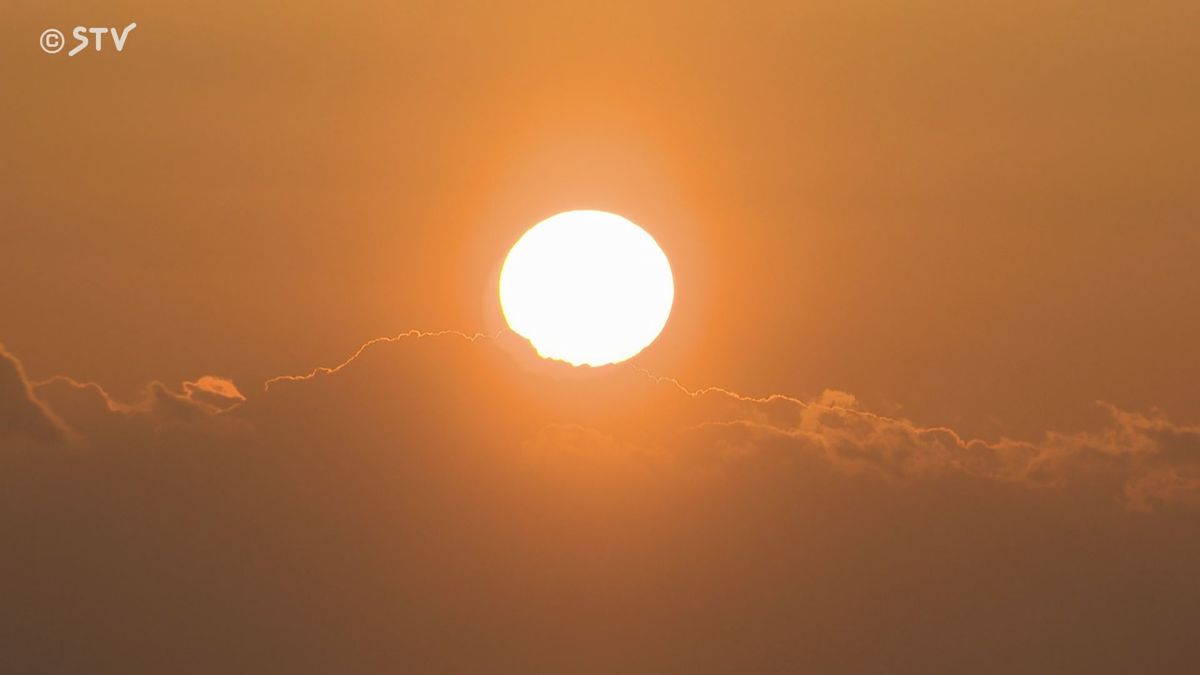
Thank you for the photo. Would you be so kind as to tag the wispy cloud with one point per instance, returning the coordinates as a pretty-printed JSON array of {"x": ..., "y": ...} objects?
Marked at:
[
  {"x": 409, "y": 334},
  {"x": 23, "y": 418}
]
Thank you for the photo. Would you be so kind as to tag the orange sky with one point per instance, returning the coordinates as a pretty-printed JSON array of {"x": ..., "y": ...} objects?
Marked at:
[
  {"x": 985, "y": 216},
  {"x": 975, "y": 218}
]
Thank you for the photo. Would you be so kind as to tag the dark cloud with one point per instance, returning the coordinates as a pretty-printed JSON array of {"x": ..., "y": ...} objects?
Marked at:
[{"x": 448, "y": 505}]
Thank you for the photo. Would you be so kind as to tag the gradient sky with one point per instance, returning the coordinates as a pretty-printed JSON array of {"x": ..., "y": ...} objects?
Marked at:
[{"x": 981, "y": 217}]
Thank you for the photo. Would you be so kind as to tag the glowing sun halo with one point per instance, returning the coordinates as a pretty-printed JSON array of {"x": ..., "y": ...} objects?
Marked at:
[{"x": 587, "y": 287}]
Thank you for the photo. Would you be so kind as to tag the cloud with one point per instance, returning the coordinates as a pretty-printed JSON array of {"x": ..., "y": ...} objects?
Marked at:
[
  {"x": 23, "y": 418},
  {"x": 454, "y": 505},
  {"x": 1145, "y": 459},
  {"x": 329, "y": 370},
  {"x": 216, "y": 392},
  {"x": 102, "y": 423}
]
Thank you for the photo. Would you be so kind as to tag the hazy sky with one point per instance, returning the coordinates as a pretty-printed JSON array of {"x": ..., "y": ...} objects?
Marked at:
[
  {"x": 985, "y": 215},
  {"x": 979, "y": 219}
]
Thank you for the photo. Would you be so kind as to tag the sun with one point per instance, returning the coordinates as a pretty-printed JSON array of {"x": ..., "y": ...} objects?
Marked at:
[{"x": 587, "y": 287}]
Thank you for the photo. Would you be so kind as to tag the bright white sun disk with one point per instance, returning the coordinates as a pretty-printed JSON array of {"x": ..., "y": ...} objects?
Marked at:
[{"x": 587, "y": 287}]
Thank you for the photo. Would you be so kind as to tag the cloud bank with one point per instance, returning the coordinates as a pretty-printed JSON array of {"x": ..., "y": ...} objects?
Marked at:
[{"x": 441, "y": 504}]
